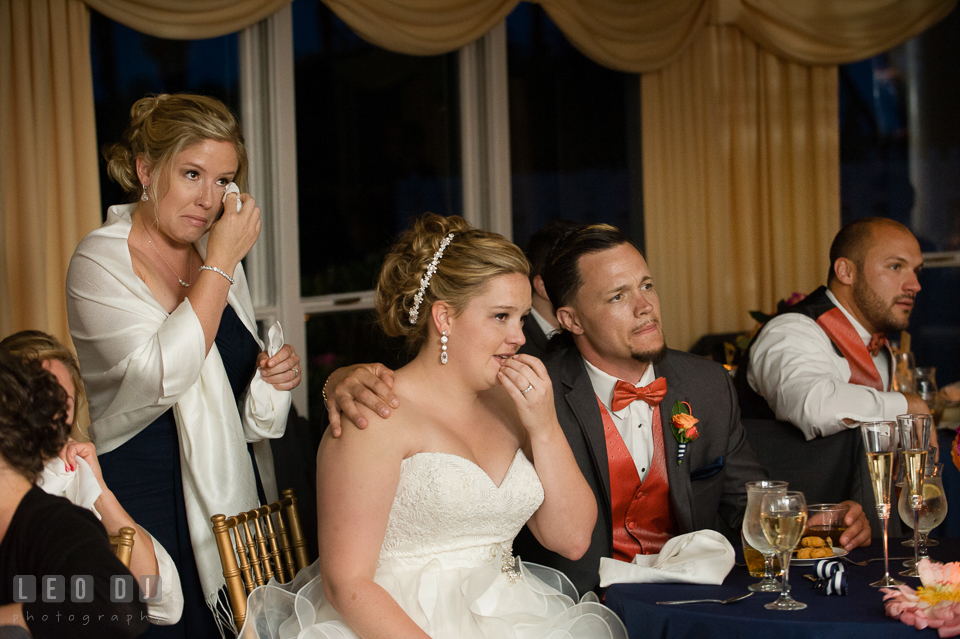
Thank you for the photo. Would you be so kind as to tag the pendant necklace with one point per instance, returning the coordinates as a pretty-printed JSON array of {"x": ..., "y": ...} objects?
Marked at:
[{"x": 182, "y": 283}]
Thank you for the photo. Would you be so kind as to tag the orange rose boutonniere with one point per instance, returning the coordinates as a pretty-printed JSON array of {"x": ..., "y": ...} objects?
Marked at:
[{"x": 684, "y": 426}]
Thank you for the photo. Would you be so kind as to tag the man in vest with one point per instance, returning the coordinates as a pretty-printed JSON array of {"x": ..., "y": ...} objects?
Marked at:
[{"x": 823, "y": 364}]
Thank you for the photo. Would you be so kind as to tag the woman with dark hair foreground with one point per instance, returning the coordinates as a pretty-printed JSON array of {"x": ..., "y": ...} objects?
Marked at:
[
  {"x": 75, "y": 474},
  {"x": 42, "y": 535}
]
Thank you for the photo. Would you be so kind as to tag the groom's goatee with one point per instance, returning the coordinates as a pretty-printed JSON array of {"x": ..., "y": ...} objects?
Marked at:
[{"x": 651, "y": 357}]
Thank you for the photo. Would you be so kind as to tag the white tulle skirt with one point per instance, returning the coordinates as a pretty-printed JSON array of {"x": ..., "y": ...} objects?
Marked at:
[{"x": 477, "y": 602}]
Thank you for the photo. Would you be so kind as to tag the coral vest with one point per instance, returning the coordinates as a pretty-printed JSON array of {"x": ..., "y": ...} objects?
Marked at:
[
  {"x": 846, "y": 342},
  {"x": 642, "y": 517}
]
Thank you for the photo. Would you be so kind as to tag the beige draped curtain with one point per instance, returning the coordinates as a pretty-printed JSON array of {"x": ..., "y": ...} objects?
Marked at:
[
  {"x": 741, "y": 181},
  {"x": 759, "y": 170}
]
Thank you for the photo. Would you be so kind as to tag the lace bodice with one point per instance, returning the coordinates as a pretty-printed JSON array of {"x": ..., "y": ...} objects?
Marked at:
[{"x": 448, "y": 508}]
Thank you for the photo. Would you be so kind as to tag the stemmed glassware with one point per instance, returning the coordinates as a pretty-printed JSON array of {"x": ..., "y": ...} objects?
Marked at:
[
  {"x": 927, "y": 390},
  {"x": 932, "y": 512},
  {"x": 915, "y": 440},
  {"x": 880, "y": 444},
  {"x": 753, "y": 532},
  {"x": 783, "y": 516}
]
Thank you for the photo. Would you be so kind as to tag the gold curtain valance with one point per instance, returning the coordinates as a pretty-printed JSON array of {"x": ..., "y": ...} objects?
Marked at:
[
  {"x": 640, "y": 36},
  {"x": 193, "y": 20}
]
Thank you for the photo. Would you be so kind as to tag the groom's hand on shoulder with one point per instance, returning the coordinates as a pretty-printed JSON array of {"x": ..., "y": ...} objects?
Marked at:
[{"x": 368, "y": 384}]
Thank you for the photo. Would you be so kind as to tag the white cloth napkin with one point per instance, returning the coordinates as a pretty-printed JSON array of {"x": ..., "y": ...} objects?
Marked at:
[
  {"x": 702, "y": 557},
  {"x": 80, "y": 486}
]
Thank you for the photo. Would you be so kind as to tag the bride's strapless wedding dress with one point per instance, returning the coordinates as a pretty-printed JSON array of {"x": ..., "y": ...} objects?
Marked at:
[{"x": 446, "y": 558}]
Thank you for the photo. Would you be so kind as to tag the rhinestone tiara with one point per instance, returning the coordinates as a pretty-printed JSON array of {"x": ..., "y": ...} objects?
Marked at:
[{"x": 425, "y": 280}]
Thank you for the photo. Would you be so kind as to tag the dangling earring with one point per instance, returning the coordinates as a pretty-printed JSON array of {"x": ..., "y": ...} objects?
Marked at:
[
  {"x": 443, "y": 347},
  {"x": 144, "y": 198}
]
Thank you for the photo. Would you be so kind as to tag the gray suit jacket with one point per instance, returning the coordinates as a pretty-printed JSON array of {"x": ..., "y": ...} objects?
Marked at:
[{"x": 706, "y": 490}]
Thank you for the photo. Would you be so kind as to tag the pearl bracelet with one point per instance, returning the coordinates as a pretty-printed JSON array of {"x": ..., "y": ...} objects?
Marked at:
[{"x": 217, "y": 270}]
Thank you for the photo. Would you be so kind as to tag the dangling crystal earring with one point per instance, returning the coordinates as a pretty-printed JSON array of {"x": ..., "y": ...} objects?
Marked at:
[
  {"x": 443, "y": 347},
  {"x": 144, "y": 198}
]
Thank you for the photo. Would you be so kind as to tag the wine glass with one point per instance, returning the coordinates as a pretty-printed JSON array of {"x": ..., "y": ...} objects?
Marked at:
[
  {"x": 932, "y": 512},
  {"x": 933, "y": 455},
  {"x": 927, "y": 390},
  {"x": 880, "y": 444},
  {"x": 904, "y": 373},
  {"x": 915, "y": 440},
  {"x": 783, "y": 517},
  {"x": 753, "y": 533}
]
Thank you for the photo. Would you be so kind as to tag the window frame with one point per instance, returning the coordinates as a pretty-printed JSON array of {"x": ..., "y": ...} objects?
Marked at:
[{"x": 267, "y": 96}]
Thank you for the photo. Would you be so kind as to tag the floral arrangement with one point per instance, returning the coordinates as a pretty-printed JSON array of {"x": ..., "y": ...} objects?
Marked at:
[
  {"x": 935, "y": 604},
  {"x": 684, "y": 426},
  {"x": 955, "y": 450}
]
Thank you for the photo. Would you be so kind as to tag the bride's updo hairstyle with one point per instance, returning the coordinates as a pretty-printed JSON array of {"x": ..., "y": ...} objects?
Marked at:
[
  {"x": 472, "y": 258},
  {"x": 161, "y": 127}
]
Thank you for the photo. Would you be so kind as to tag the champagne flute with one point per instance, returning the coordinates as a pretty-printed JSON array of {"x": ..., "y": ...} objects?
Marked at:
[
  {"x": 783, "y": 517},
  {"x": 753, "y": 533},
  {"x": 914, "y": 432},
  {"x": 880, "y": 444}
]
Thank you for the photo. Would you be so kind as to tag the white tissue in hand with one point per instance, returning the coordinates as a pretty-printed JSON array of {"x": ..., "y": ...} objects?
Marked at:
[
  {"x": 233, "y": 188},
  {"x": 264, "y": 404},
  {"x": 79, "y": 486}
]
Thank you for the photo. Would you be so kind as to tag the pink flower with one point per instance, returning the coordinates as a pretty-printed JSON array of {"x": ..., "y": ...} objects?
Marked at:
[
  {"x": 936, "y": 604},
  {"x": 794, "y": 298},
  {"x": 692, "y": 433}
]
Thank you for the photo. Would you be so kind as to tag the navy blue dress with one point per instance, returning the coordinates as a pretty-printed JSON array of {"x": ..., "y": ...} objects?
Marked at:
[{"x": 144, "y": 474}]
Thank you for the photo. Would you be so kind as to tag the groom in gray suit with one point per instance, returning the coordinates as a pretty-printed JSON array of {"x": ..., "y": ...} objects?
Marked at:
[{"x": 648, "y": 487}]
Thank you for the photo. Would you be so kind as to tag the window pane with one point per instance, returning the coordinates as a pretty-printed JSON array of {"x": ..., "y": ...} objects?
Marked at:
[
  {"x": 378, "y": 142},
  {"x": 128, "y": 65},
  {"x": 900, "y": 158},
  {"x": 342, "y": 339},
  {"x": 574, "y": 132}
]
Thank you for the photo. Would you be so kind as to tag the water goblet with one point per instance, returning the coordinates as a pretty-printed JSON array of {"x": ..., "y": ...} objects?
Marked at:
[
  {"x": 880, "y": 444},
  {"x": 783, "y": 517},
  {"x": 932, "y": 512},
  {"x": 753, "y": 532},
  {"x": 914, "y": 430}
]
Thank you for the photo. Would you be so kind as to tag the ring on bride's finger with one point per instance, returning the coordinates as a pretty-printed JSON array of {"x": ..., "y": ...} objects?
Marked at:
[
  {"x": 527, "y": 389},
  {"x": 296, "y": 372}
]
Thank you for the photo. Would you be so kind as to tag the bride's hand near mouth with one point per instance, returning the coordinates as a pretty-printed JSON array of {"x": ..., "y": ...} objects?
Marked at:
[{"x": 526, "y": 380}]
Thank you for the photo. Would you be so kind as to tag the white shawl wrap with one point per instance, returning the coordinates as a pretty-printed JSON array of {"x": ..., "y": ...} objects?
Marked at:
[{"x": 138, "y": 361}]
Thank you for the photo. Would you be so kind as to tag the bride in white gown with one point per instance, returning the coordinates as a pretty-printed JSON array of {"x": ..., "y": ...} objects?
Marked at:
[{"x": 417, "y": 514}]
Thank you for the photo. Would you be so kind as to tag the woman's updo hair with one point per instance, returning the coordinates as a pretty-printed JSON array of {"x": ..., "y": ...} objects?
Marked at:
[
  {"x": 161, "y": 127},
  {"x": 472, "y": 258},
  {"x": 33, "y": 415}
]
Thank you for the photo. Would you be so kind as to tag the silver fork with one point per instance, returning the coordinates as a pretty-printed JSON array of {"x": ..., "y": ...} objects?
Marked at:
[
  {"x": 867, "y": 561},
  {"x": 719, "y": 601}
]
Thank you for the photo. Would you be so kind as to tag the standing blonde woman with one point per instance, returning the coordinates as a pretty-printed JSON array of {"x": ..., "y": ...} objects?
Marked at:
[
  {"x": 177, "y": 380},
  {"x": 417, "y": 515}
]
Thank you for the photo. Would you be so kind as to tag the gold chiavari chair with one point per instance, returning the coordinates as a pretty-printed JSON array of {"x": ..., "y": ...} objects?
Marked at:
[
  {"x": 258, "y": 550},
  {"x": 122, "y": 545}
]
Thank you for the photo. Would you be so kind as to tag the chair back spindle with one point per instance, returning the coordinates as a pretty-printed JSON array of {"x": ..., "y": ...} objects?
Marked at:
[{"x": 259, "y": 550}]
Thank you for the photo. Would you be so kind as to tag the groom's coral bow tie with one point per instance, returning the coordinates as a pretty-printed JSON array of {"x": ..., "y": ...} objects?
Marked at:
[
  {"x": 878, "y": 341},
  {"x": 625, "y": 393}
]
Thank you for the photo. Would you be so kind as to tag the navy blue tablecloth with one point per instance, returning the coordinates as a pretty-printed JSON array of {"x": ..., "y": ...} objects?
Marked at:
[{"x": 859, "y": 614}]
